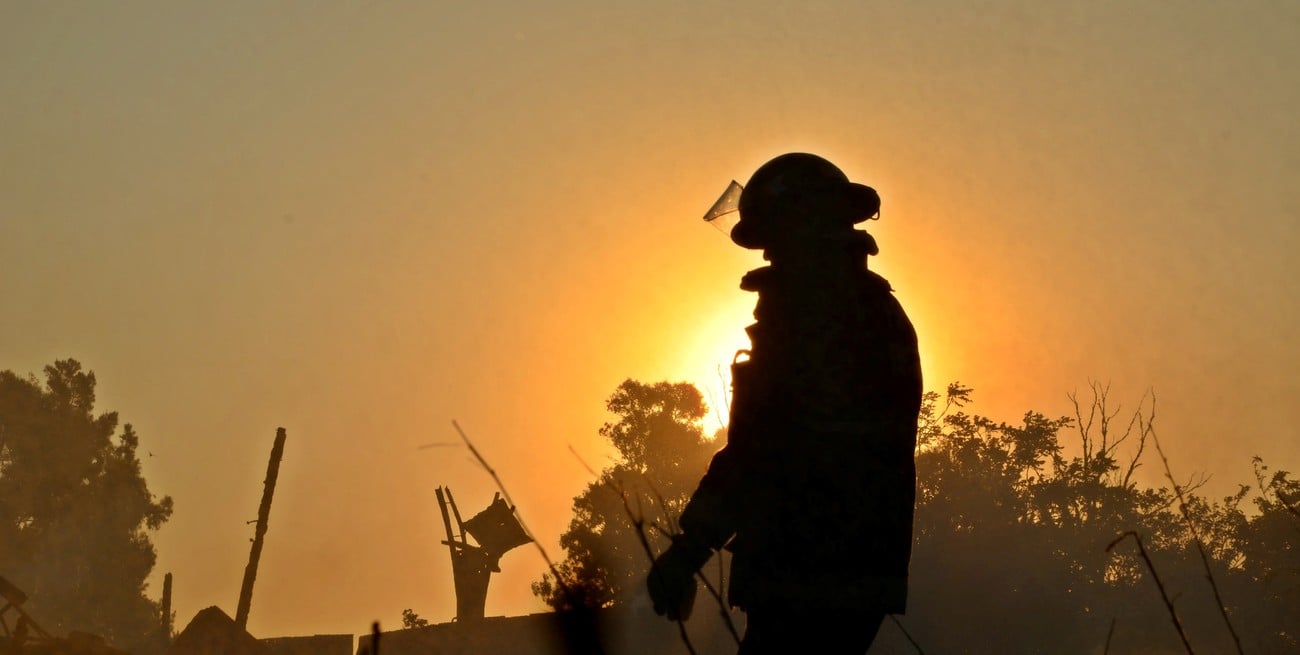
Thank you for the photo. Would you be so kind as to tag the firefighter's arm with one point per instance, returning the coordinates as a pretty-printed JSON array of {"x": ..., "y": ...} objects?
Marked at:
[
  {"x": 672, "y": 577},
  {"x": 707, "y": 523}
]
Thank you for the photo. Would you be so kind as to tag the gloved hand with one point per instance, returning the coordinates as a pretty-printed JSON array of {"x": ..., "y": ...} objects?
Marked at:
[{"x": 672, "y": 578}]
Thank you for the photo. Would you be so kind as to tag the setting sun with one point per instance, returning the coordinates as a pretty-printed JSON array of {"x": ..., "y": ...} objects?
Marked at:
[
  {"x": 706, "y": 357},
  {"x": 362, "y": 223}
]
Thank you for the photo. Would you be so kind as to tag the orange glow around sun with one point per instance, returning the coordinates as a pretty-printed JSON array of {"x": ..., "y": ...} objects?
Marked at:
[{"x": 708, "y": 350}]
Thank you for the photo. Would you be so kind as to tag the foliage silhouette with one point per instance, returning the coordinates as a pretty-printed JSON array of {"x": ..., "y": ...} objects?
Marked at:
[
  {"x": 412, "y": 620},
  {"x": 1012, "y": 525},
  {"x": 1013, "y": 521},
  {"x": 662, "y": 453},
  {"x": 75, "y": 511}
]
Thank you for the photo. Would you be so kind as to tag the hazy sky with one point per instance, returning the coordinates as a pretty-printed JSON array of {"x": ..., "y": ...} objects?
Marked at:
[{"x": 362, "y": 221}]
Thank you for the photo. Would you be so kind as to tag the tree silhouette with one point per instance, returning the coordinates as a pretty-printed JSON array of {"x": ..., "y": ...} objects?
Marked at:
[
  {"x": 75, "y": 512},
  {"x": 662, "y": 454},
  {"x": 1012, "y": 526},
  {"x": 1013, "y": 521},
  {"x": 412, "y": 620}
]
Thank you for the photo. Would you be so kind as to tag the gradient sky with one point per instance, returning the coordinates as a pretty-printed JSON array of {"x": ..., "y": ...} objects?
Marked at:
[{"x": 360, "y": 222}]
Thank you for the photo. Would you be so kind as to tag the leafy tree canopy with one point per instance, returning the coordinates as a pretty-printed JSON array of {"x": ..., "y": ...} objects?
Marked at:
[
  {"x": 412, "y": 620},
  {"x": 75, "y": 512},
  {"x": 1012, "y": 527}
]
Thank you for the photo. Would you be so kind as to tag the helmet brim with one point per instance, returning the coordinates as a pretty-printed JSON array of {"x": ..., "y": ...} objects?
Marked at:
[
  {"x": 862, "y": 202},
  {"x": 855, "y": 204}
]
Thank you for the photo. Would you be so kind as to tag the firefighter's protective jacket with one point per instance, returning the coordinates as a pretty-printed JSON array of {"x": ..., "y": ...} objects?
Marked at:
[{"x": 814, "y": 491}]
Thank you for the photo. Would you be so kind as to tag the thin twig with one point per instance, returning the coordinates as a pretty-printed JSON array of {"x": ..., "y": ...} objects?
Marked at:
[
  {"x": 708, "y": 586},
  {"x": 583, "y": 462},
  {"x": 1196, "y": 537},
  {"x": 725, "y": 383},
  {"x": 907, "y": 634},
  {"x": 1133, "y": 463},
  {"x": 483, "y": 462},
  {"x": 550, "y": 564},
  {"x": 722, "y": 589},
  {"x": 716, "y": 593},
  {"x": 1160, "y": 585},
  {"x": 1109, "y": 633},
  {"x": 638, "y": 522}
]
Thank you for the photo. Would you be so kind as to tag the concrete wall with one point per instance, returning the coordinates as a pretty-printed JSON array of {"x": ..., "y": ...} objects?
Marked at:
[
  {"x": 311, "y": 645},
  {"x": 618, "y": 631}
]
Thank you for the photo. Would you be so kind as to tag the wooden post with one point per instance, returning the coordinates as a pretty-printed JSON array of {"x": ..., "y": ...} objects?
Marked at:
[
  {"x": 446, "y": 522},
  {"x": 460, "y": 525},
  {"x": 469, "y": 571},
  {"x": 263, "y": 515},
  {"x": 167, "y": 609}
]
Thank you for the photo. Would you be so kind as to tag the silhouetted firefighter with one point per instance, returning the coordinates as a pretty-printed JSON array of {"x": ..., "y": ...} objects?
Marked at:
[{"x": 814, "y": 490}]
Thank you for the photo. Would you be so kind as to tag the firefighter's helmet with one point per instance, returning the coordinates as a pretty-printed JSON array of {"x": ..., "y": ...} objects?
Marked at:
[{"x": 799, "y": 190}]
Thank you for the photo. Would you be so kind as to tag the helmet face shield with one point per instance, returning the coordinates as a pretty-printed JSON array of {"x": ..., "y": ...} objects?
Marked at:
[{"x": 724, "y": 214}]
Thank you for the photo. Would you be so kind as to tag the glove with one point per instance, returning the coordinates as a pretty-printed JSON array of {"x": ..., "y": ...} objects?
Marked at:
[{"x": 672, "y": 578}]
